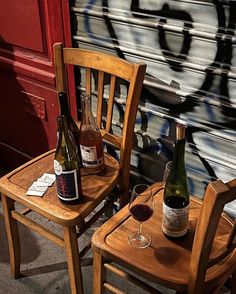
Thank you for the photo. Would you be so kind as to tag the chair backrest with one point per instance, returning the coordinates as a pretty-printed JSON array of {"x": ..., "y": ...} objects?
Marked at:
[
  {"x": 216, "y": 196},
  {"x": 117, "y": 69}
]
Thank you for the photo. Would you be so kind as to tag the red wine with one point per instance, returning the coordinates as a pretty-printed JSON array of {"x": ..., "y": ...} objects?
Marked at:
[
  {"x": 176, "y": 202},
  {"x": 141, "y": 212}
]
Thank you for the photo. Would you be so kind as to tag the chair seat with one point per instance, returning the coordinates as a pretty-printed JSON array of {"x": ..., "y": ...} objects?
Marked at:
[
  {"x": 94, "y": 189},
  {"x": 161, "y": 259}
]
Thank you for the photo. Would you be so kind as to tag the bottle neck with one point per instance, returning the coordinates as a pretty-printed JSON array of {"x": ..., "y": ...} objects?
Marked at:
[
  {"x": 64, "y": 107},
  {"x": 62, "y": 130},
  {"x": 66, "y": 151},
  {"x": 87, "y": 115},
  {"x": 179, "y": 151}
]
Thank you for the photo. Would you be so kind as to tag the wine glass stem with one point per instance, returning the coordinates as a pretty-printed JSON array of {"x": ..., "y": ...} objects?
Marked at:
[{"x": 140, "y": 229}]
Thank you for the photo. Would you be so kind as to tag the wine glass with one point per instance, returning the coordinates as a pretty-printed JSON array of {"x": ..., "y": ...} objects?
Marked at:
[{"x": 141, "y": 208}]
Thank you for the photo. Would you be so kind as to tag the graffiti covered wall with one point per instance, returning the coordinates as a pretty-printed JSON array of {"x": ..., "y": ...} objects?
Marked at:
[{"x": 190, "y": 50}]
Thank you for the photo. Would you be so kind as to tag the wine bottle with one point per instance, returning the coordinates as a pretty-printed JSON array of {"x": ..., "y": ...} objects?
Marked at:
[
  {"x": 64, "y": 110},
  {"x": 91, "y": 145},
  {"x": 176, "y": 195},
  {"x": 66, "y": 164}
]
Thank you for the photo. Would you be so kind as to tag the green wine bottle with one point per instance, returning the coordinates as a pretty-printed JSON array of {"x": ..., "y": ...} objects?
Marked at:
[
  {"x": 64, "y": 110},
  {"x": 67, "y": 164},
  {"x": 176, "y": 195}
]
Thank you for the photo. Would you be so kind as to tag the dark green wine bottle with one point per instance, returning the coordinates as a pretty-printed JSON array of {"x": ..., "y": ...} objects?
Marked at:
[
  {"x": 64, "y": 110},
  {"x": 176, "y": 195},
  {"x": 67, "y": 164}
]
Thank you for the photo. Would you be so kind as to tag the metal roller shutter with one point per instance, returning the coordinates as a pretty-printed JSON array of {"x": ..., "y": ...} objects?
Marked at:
[{"x": 190, "y": 48}]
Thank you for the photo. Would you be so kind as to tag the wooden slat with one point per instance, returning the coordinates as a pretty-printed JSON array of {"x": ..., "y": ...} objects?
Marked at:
[
  {"x": 131, "y": 278},
  {"x": 110, "y": 103},
  {"x": 99, "y": 61},
  {"x": 38, "y": 228},
  {"x": 100, "y": 97},
  {"x": 59, "y": 67},
  {"x": 113, "y": 288},
  {"x": 112, "y": 138},
  {"x": 25, "y": 211},
  {"x": 132, "y": 102}
]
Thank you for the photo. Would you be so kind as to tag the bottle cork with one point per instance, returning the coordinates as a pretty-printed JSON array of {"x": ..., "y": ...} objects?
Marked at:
[{"x": 180, "y": 132}]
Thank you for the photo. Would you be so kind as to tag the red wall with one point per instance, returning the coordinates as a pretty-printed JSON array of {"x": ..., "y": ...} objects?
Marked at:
[{"x": 28, "y": 101}]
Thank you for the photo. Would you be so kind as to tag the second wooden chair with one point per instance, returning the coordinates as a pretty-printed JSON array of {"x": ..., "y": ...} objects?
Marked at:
[{"x": 200, "y": 262}]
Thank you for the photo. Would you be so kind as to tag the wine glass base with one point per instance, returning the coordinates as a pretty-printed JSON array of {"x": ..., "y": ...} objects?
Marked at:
[{"x": 139, "y": 241}]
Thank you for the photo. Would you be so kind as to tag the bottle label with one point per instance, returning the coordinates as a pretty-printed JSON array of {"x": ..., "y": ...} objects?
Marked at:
[
  {"x": 175, "y": 221},
  {"x": 67, "y": 185},
  {"x": 89, "y": 156}
]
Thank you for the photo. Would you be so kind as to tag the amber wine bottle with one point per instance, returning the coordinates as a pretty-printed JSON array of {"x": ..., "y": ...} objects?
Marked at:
[
  {"x": 91, "y": 145},
  {"x": 176, "y": 195},
  {"x": 66, "y": 164}
]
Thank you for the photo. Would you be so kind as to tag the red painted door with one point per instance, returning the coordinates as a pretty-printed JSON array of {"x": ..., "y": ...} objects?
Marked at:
[{"x": 28, "y": 105}]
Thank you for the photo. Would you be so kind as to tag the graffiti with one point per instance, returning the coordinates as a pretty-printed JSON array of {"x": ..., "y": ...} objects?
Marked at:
[
  {"x": 223, "y": 58},
  {"x": 166, "y": 13},
  {"x": 190, "y": 49}
]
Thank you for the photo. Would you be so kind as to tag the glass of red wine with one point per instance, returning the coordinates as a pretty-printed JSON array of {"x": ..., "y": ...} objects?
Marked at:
[{"x": 141, "y": 209}]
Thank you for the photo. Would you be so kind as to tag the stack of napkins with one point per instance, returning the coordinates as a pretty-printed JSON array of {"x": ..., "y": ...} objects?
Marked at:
[{"x": 39, "y": 187}]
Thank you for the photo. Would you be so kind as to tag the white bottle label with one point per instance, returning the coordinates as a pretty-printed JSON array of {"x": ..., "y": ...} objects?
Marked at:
[
  {"x": 89, "y": 156},
  {"x": 57, "y": 167},
  {"x": 175, "y": 220}
]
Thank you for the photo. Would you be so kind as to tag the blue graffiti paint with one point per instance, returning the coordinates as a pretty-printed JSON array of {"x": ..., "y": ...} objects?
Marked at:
[
  {"x": 94, "y": 38},
  {"x": 209, "y": 109}
]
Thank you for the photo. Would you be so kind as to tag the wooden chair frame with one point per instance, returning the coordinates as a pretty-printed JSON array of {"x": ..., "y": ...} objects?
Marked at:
[
  {"x": 96, "y": 188},
  {"x": 208, "y": 270},
  {"x": 117, "y": 68}
]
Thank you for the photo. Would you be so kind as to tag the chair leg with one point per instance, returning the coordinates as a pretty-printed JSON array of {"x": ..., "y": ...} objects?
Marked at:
[
  {"x": 73, "y": 260},
  {"x": 98, "y": 272},
  {"x": 12, "y": 236}
]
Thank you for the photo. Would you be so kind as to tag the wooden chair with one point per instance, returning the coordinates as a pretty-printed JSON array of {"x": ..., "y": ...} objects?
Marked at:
[
  {"x": 200, "y": 262},
  {"x": 119, "y": 71},
  {"x": 95, "y": 188}
]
